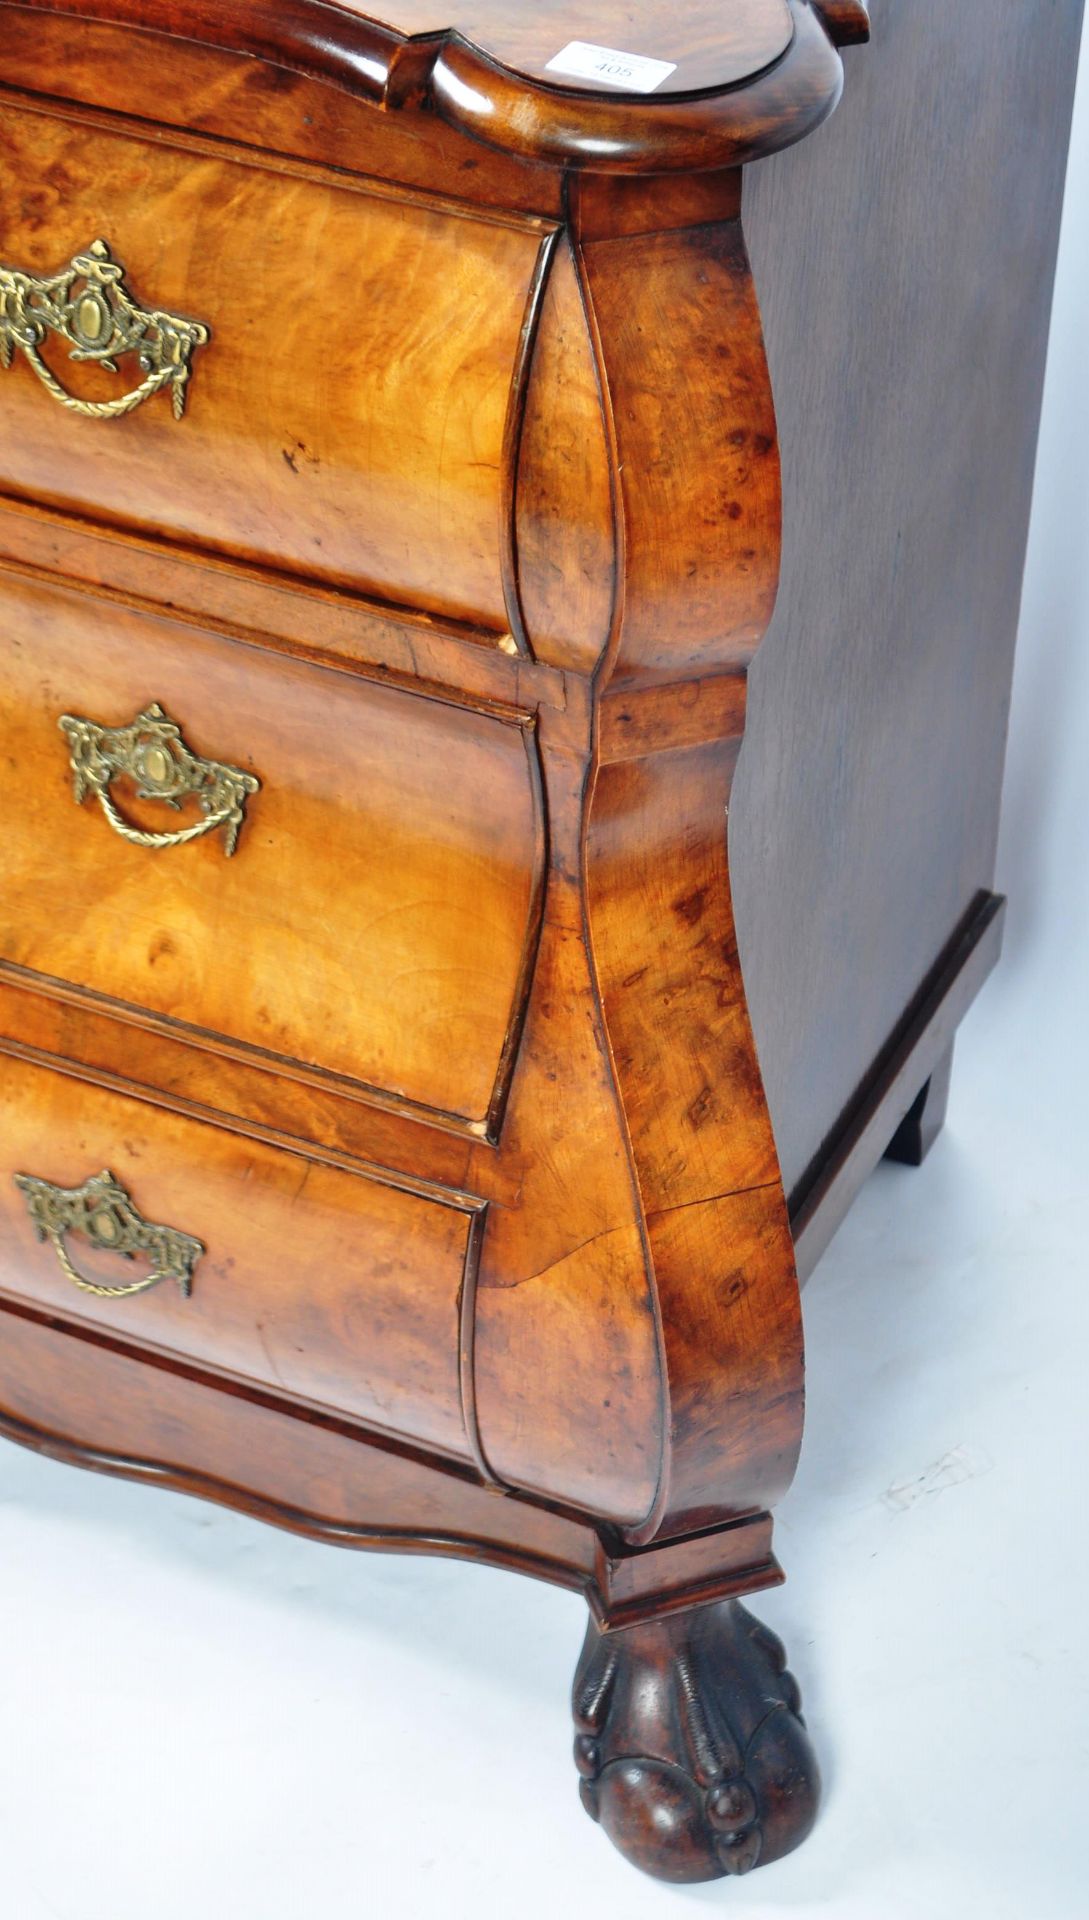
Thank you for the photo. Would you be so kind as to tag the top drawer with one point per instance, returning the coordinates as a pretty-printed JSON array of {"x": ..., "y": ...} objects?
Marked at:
[{"x": 345, "y": 418}]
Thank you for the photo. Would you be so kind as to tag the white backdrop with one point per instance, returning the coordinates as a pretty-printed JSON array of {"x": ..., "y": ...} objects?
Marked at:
[{"x": 201, "y": 1719}]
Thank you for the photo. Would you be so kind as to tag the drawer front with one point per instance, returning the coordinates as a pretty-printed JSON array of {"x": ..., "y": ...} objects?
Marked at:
[
  {"x": 315, "y": 1282},
  {"x": 375, "y": 917},
  {"x": 345, "y": 417}
]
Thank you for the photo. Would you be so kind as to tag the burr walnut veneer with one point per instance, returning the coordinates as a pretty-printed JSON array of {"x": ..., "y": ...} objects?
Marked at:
[{"x": 428, "y": 1054}]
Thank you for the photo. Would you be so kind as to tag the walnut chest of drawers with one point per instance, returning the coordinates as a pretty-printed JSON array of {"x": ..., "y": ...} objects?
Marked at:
[{"x": 430, "y": 1051}]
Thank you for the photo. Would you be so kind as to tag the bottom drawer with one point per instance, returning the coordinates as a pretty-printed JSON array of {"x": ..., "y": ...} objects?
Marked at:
[{"x": 328, "y": 1285}]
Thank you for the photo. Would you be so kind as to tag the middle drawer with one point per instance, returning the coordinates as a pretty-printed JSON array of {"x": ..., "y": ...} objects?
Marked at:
[{"x": 373, "y": 920}]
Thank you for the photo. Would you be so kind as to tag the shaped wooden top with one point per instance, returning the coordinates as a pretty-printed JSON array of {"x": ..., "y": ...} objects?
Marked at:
[
  {"x": 692, "y": 46},
  {"x": 639, "y": 86}
]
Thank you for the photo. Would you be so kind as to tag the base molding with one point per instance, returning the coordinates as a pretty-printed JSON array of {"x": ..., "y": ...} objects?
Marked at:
[{"x": 80, "y": 1396}]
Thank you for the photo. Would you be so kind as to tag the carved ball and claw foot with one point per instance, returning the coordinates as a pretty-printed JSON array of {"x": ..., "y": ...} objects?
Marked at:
[{"x": 691, "y": 1746}]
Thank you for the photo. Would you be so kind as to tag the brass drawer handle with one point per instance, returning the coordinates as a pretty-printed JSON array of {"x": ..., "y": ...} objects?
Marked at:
[
  {"x": 152, "y": 753},
  {"x": 103, "y": 1212},
  {"x": 87, "y": 306}
]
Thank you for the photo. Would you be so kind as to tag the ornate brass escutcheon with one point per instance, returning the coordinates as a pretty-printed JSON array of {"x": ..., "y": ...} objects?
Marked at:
[
  {"x": 87, "y": 306},
  {"x": 152, "y": 753},
  {"x": 104, "y": 1213}
]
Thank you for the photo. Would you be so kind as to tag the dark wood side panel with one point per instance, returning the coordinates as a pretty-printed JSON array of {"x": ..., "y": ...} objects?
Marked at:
[
  {"x": 904, "y": 262},
  {"x": 920, "y": 1049}
]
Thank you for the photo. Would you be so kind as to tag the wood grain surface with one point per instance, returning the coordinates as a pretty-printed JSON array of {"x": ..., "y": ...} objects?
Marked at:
[
  {"x": 306, "y": 1471},
  {"x": 347, "y": 419},
  {"x": 710, "y": 43},
  {"x": 377, "y": 919},
  {"x": 268, "y": 107},
  {"x": 676, "y": 335},
  {"x": 573, "y": 934},
  {"x": 323, "y": 1285},
  {"x": 750, "y": 77}
]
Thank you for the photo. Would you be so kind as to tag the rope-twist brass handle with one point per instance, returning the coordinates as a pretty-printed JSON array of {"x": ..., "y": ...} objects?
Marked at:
[
  {"x": 104, "y": 1213},
  {"x": 152, "y": 753},
  {"x": 87, "y": 306}
]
